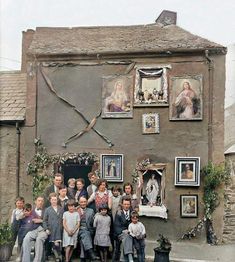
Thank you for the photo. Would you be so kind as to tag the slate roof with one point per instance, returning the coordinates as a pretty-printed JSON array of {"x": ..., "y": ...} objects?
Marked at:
[
  {"x": 116, "y": 40},
  {"x": 12, "y": 96}
]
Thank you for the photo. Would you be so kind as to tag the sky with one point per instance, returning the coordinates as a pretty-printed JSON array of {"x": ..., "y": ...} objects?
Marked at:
[{"x": 211, "y": 19}]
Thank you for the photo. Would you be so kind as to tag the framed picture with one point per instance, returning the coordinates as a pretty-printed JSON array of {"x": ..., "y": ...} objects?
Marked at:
[
  {"x": 151, "y": 86},
  {"x": 186, "y": 98},
  {"x": 112, "y": 167},
  {"x": 187, "y": 171},
  {"x": 117, "y": 97},
  {"x": 189, "y": 205},
  {"x": 150, "y": 123}
]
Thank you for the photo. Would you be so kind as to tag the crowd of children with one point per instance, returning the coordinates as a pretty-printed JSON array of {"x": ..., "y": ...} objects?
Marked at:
[{"x": 61, "y": 218}]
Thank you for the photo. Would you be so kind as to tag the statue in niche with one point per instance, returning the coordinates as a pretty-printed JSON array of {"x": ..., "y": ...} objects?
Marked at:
[{"x": 152, "y": 190}]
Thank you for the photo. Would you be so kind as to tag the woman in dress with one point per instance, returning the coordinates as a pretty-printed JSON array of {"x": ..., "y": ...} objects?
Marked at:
[
  {"x": 81, "y": 191},
  {"x": 71, "y": 223},
  {"x": 102, "y": 196}
]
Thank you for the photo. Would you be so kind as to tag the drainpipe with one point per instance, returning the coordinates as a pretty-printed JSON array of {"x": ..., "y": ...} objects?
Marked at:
[
  {"x": 18, "y": 160},
  {"x": 211, "y": 104}
]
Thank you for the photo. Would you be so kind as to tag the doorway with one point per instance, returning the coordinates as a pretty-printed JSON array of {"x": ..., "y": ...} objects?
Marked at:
[{"x": 75, "y": 170}]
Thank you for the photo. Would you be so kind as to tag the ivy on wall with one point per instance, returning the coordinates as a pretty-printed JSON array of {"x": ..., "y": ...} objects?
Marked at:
[
  {"x": 41, "y": 167},
  {"x": 215, "y": 176}
]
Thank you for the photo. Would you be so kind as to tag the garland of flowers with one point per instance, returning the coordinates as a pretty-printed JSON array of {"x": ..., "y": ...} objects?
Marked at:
[
  {"x": 139, "y": 166},
  {"x": 41, "y": 167},
  {"x": 215, "y": 176}
]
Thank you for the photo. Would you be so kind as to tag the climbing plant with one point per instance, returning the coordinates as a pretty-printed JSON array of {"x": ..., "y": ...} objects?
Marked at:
[
  {"x": 214, "y": 177},
  {"x": 41, "y": 167}
]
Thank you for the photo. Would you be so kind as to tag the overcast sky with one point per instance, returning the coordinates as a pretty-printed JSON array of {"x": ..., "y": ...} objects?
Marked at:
[{"x": 212, "y": 19}]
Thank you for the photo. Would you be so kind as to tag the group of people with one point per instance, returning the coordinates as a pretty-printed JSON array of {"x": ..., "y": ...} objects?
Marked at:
[{"x": 96, "y": 218}]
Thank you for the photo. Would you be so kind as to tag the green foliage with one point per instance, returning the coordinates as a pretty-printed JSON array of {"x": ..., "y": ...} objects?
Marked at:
[
  {"x": 42, "y": 160},
  {"x": 6, "y": 236},
  {"x": 215, "y": 176},
  {"x": 163, "y": 243}
]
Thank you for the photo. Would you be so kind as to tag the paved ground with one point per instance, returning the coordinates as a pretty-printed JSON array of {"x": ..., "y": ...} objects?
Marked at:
[{"x": 186, "y": 251}]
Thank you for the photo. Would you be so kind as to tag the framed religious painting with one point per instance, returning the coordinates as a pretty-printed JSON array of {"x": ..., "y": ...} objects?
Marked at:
[
  {"x": 186, "y": 98},
  {"x": 189, "y": 205},
  {"x": 151, "y": 86},
  {"x": 150, "y": 123},
  {"x": 187, "y": 171},
  {"x": 112, "y": 167},
  {"x": 117, "y": 96}
]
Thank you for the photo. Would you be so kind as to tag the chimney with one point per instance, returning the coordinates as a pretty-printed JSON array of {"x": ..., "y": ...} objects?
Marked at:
[
  {"x": 27, "y": 38},
  {"x": 167, "y": 18}
]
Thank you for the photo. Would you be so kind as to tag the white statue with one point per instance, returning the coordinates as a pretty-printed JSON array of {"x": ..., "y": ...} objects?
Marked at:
[{"x": 152, "y": 190}]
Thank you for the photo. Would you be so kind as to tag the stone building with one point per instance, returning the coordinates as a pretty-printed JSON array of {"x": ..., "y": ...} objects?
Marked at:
[
  {"x": 12, "y": 117},
  {"x": 170, "y": 105}
]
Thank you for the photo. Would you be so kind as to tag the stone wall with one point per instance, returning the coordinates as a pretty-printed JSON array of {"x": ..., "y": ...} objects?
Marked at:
[
  {"x": 229, "y": 216},
  {"x": 8, "y": 142},
  {"x": 7, "y": 170}
]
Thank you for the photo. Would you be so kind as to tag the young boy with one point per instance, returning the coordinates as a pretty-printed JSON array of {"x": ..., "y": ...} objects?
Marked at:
[
  {"x": 71, "y": 191},
  {"x": 137, "y": 231},
  {"x": 17, "y": 213},
  {"x": 52, "y": 223},
  {"x": 25, "y": 223},
  {"x": 63, "y": 199},
  {"x": 116, "y": 199}
]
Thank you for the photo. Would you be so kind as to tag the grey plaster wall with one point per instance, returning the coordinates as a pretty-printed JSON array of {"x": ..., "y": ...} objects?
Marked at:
[{"x": 82, "y": 85}]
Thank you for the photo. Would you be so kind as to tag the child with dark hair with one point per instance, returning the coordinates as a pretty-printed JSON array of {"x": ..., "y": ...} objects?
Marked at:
[
  {"x": 71, "y": 223},
  {"x": 116, "y": 198},
  {"x": 137, "y": 231},
  {"x": 25, "y": 223},
  {"x": 63, "y": 199},
  {"x": 102, "y": 223}
]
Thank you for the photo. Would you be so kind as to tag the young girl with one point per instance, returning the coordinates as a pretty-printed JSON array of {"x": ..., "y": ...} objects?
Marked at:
[
  {"x": 71, "y": 223},
  {"x": 52, "y": 223},
  {"x": 137, "y": 231},
  {"x": 102, "y": 223}
]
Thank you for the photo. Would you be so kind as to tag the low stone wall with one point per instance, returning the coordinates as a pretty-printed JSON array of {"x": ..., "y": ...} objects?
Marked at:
[{"x": 229, "y": 216}]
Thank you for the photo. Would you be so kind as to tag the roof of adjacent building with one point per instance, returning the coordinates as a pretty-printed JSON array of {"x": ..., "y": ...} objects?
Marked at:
[
  {"x": 12, "y": 96},
  {"x": 151, "y": 38}
]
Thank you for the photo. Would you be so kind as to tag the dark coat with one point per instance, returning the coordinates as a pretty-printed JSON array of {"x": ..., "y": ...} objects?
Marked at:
[
  {"x": 120, "y": 222},
  {"x": 71, "y": 192},
  {"x": 53, "y": 222},
  {"x": 48, "y": 190},
  {"x": 83, "y": 193}
]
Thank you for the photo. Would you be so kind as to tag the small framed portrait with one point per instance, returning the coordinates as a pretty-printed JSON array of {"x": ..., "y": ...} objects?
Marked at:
[
  {"x": 187, "y": 171},
  {"x": 151, "y": 86},
  {"x": 117, "y": 97},
  {"x": 150, "y": 123},
  {"x": 189, "y": 205},
  {"x": 186, "y": 98},
  {"x": 112, "y": 167}
]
